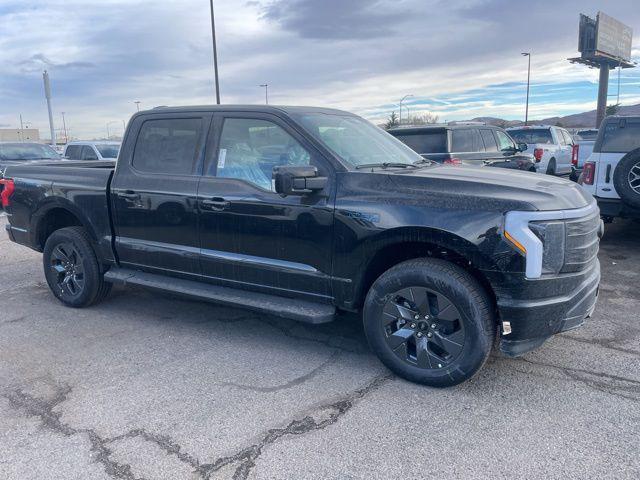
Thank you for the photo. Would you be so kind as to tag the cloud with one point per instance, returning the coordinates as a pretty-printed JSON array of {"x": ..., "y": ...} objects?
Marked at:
[{"x": 457, "y": 57}]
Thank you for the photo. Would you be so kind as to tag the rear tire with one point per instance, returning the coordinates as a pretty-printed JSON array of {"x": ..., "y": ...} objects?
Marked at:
[
  {"x": 626, "y": 178},
  {"x": 430, "y": 322},
  {"x": 71, "y": 268},
  {"x": 551, "y": 168}
]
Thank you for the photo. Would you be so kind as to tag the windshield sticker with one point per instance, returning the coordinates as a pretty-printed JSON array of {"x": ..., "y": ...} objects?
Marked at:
[{"x": 222, "y": 157}]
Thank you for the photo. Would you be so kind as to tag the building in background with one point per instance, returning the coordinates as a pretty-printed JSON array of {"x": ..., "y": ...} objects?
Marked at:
[{"x": 19, "y": 135}]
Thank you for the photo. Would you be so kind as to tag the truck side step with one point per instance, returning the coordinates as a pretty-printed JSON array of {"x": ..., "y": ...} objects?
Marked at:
[{"x": 294, "y": 309}]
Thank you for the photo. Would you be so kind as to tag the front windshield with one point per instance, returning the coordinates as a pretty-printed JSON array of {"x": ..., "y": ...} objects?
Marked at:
[
  {"x": 357, "y": 141},
  {"x": 27, "y": 151},
  {"x": 108, "y": 150}
]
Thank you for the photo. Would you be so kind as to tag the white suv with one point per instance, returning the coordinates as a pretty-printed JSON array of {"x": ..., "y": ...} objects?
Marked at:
[
  {"x": 92, "y": 150},
  {"x": 612, "y": 172},
  {"x": 552, "y": 147}
]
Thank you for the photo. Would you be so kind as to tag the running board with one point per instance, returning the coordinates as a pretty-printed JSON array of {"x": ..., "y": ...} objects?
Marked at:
[{"x": 294, "y": 309}]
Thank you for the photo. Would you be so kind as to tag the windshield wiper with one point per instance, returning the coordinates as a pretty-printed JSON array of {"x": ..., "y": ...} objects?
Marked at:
[
  {"x": 424, "y": 161},
  {"x": 386, "y": 165}
]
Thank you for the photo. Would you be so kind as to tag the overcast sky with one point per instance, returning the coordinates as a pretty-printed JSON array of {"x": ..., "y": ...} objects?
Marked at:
[{"x": 459, "y": 58}]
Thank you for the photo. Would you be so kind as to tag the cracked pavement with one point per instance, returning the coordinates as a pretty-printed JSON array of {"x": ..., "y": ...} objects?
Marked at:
[{"x": 150, "y": 386}]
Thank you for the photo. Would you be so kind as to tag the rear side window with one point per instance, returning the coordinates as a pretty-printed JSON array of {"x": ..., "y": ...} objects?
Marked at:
[
  {"x": 167, "y": 146},
  {"x": 466, "y": 140},
  {"x": 425, "y": 142},
  {"x": 489, "y": 140},
  {"x": 73, "y": 152},
  {"x": 621, "y": 137},
  {"x": 88, "y": 153},
  {"x": 532, "y": 135}
]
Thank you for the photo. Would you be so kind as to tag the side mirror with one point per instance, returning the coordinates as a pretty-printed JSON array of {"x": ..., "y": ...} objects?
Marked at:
[
  {"x": 290, "y": 180},
  {"x": 523, "y": 147}
]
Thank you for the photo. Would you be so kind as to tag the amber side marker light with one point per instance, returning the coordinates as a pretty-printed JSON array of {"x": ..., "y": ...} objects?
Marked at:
[{"x": 515, "y": 243}]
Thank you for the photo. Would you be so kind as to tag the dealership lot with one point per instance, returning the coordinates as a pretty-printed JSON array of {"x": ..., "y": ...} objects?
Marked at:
[{"x": 150, "y": 386}]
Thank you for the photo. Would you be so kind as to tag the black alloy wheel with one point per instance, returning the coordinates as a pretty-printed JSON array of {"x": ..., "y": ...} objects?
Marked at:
[
  {"x": 423, "y": 327},
  {"x": 66, "y": 264}
]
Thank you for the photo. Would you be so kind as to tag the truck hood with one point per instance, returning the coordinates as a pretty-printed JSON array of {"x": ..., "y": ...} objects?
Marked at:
[{"x": 493, "y": 187}]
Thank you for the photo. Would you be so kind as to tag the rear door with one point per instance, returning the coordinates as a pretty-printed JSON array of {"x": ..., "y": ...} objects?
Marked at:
[
  {"x": 567, "y": 151},
  {"x": 88, "y": 153},
  {"x": 250, "y": 236},
  {"x": 154, "y": 193},
  {"x": 466, "y": 144}
]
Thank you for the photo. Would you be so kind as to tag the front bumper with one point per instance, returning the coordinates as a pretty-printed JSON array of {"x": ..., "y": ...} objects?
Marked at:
[{"x": 537, "y": 309}]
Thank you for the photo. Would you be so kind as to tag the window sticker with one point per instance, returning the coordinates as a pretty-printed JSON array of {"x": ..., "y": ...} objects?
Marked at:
[{"x": 222, "y": 157}]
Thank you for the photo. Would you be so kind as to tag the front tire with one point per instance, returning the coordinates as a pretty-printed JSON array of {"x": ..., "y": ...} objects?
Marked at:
[
  {"x": 71, "y": 268},
  {"x": 430, "y": 322}
]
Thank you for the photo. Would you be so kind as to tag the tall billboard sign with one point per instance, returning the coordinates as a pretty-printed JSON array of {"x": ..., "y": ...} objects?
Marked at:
[{"x": 613, "y": 37}]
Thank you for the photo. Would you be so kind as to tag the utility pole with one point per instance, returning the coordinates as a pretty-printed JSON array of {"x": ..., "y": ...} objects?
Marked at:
[
  {"x": 47, "y": 94},
  {"x": 215, "y": 53},
  {"x": 64, "y": 127},
  {"x": 266, "y": 92},
  {"x": 526, "y": 111},
  {"x": 137, "y": 102},
  {"x": 21, "y": 129}
]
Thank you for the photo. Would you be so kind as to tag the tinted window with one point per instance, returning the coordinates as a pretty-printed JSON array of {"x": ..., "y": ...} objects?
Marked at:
[
  {"x": 587, "y": 134},
  {"x": 532, "y": 135},
  {"x": 167, "y": 146},
  {"x": 108, "y": 151},
  {"x": 621, "y": 136},
  {"x": 466, "y": 140},
  {"x": 250, "y": 148},
  {"x": 504, "y": 141},
  {"x": 489, "y": 140},
  {"x": 424, "y": 142},
  {"x": 73, "y": 152},
  {"x": 27, "y": 151},
  {"x": 88, "y": 153}
]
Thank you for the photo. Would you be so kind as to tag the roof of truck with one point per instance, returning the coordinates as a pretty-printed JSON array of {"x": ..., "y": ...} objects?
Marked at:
[{"x": 290, "y": 109}]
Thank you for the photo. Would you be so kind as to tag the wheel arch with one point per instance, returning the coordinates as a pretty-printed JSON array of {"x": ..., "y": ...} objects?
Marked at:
[
  {"x": 401, "y": 244},
  {"x": 56, "y": 215}
]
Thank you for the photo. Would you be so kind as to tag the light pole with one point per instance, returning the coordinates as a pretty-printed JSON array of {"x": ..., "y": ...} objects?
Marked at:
[
  {"x": 400, "y": 109},
  {"x": 266, "y": 92},
  {"x": 137, "y": 102},
  {"x": 109, "y": 123},
  {"x": 64, "y": 127},
  {"x": 526, "y": 112},
  {"x": 215, "y": 53}
]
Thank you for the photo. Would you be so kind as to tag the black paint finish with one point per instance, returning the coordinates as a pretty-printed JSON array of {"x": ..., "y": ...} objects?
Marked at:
[{"x": 326, "y": 247}]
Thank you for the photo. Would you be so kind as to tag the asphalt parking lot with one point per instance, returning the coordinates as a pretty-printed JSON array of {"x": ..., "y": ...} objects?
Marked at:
[{"x": 156, "y": 387}]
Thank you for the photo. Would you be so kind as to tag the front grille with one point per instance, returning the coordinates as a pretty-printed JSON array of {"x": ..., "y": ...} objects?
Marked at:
[{"x": 581, "y": 244}]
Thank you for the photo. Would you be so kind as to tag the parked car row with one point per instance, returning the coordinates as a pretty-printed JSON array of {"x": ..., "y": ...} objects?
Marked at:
[{"x": 305, "y": 212}]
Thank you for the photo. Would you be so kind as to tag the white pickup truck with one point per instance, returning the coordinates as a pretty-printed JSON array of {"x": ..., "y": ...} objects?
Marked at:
[
  {"x": 584, "y": 140},
  {"x": 552, "y": 147},
  {"x": 612, "y": 172}
]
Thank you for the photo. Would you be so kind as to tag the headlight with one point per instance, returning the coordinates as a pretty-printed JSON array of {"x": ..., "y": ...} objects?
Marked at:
[
  {"x": 552, "y": 235},
  {"x": 541, "y": 237}
]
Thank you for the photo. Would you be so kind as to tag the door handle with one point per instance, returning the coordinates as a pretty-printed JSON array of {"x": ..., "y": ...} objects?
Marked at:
[
  {"x": 215, "y": 203},
  {"x": 130, "y": 194}
]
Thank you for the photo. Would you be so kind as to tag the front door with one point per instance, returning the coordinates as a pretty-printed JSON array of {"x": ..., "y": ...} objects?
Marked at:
[
  {"x": 250, "y": 236},
  {"x": 154, "y": 194}
]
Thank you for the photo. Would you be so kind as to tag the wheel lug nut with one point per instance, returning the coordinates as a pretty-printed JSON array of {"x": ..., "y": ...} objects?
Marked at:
[
  {"x": 417, "y": 317},
  {"x": 433, "y": 325},
  {"x": 429, "y": 334},
  {"x": 413, "y": 325},
  {"x": 419, "y": 334},
  {"x": 426, "y": 317}
]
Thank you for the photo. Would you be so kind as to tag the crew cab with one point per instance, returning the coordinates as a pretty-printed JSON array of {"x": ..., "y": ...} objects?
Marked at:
[
  {"x": 465, "y": 143},
  {"x": 305, "y": 212},
  {"x": 552, "y": 147},
  {"x": 80, "y": 150},
  {"x": 612, "y": 172}
]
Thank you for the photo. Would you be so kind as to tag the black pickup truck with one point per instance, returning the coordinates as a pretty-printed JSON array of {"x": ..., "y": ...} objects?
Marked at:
[{"x": 305, "y": 212}]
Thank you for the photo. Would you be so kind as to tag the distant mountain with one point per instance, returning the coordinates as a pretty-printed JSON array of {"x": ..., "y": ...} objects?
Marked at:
[{"x": 577, "y": 120}]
